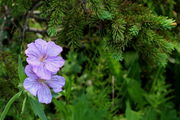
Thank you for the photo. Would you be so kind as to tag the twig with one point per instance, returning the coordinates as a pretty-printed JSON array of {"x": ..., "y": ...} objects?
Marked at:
[
  {"x": 26, "y": 20},
  {"x": 36, "y": 31},
  {"x": 40, "y": 19}
]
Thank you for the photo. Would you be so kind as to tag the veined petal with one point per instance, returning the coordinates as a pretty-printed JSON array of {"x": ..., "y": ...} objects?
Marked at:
[
  {"x": 54, "y": 63},
  {"x": 42, "y": 72},
  {"x": 31, "y": 85},
  {"x": 29, "y": 72},
  {"x": 53, "y": 49},
  {"x": 41, "y": 45},
  {"x": 40, "y": 42},
  {"x": 33, "y": 54},
  {"x": 33, "y": 60},
  {"x": 32, "y": 50},
  {"x": 44, "y": 94},
  {"x": 56, "y": 83}
]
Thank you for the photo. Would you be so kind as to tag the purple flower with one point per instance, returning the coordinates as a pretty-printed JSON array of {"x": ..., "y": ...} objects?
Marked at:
[
  {"x": 40, "y": 87},
  {"x": 44, "y": 59}
]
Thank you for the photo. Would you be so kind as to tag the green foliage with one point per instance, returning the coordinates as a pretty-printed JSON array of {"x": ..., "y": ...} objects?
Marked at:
[
  {"x": 82, "y": 109},
  {"x": 157, "y": 55},
  {"x": 132, "y": 115},
  {"x": 161, "y": 7},
  {"x": 99, "y": 9},
  {"x": 118, "y": 29},
  {"x": 158, "y": 91},
  {"x": 8, "y": 80},
  {"x": 8, "y": 105},
  {"x": 17, "y": 7},
  {"x": 37, "y": 108},
  {"x": 122, "y": 58},
  {"x": 21, "y": 73}
]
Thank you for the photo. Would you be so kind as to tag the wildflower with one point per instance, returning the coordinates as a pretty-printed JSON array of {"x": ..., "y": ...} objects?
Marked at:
[
  {"x": 40, "y": 87},
  {"x": 44, "y": 59}
]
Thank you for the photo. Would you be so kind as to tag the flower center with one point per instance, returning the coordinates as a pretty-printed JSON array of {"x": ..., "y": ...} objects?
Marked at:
[
  {"x": 42, "y": 58},
  {"x": 41, "y": 80}
]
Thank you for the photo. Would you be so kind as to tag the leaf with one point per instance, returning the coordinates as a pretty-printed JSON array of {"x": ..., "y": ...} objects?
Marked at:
[
  {"x": 136, "y": 93},
  {"x": 130, "y": 114},
  {"x": 63, "y": 109},
  {"x": 131, "y": 62},
  {"x": 82, "y": 109},
  {"x": 23, "y": 105},
  {"x": 37, "y": 108},
  {"x": 21, "y": 73},
  {"x": 8, "y": 105},
  {"x": 150, "y": 114},
  {"x": 169, "y": 114}
]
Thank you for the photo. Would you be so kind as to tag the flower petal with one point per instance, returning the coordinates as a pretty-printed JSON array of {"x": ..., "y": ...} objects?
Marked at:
[
  {"x": 33, "y": 54},
  {"x": 54, "y": 63},
  {"x": 53, "y": 49},
  {"x": 29, "y": 72},
  {"x": 33, "y": 61},
  {"x": 44, "y": 94},
  {"x": 41, "y": 46},
  {"x": 31, "y": 85},
  {"x": 32, "y": 50},
  {"x": 42, "y": 72},
  {"x": 56, "y": 83}
]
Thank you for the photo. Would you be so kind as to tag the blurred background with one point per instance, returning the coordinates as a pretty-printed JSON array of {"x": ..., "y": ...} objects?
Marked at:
[{"x": 122, "y": 58}]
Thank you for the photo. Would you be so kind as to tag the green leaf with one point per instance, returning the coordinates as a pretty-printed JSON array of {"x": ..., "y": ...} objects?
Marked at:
[
  {"x": 136, "y": 93},
  {"x": 82, "y": 109},
  {"x": 63, "y": 109},
  {"x": 131, "y": 62},
  {"x": 37, "y": 108},
  {"x": 150, "y": 114},
  {"x": 23, "y": 105},
  {"x": 132, "y": 115},
  {"x": 8, "y": 105},
  {"x": 21, "y": 73}
]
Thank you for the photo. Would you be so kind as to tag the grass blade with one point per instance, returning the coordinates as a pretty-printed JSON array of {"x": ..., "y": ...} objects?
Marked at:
[
  {"x": 8, "y": 105},
  {"x": 21, "y": 73}
]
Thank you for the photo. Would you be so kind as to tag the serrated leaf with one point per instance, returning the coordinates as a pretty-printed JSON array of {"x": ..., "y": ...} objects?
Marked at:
[
  {"x": 136, "y": 93},
  {"x": 132, "y": 115},
  {"x": 150, "y": 114},
  {"x": 37, "y": 108}
]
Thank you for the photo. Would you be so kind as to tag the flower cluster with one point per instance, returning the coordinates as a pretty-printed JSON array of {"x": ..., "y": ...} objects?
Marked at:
[{"x": 43, "y": 64}]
